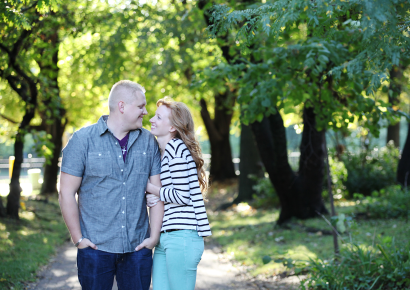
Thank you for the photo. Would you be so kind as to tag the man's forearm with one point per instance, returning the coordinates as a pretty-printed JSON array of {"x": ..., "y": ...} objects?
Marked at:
[
  {"x": 156, "y": 215},
  {"x": 69, "y": 209}
]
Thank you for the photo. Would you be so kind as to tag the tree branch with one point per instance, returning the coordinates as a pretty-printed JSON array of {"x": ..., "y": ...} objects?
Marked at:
[
  {"x": 8, "y": 119},
  {"x": 209, "y": 124},
  {"x": 28, "y": 8}
]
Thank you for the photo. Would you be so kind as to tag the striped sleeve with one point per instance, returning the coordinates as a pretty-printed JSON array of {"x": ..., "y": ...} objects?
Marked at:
[{"x": 179, "y": 192}]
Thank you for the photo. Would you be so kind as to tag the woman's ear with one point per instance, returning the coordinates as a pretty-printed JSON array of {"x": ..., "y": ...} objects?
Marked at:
[{"x": 172, "y": 129}]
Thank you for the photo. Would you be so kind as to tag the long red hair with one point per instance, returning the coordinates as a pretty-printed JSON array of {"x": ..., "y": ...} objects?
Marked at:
[{"x": 181, "y": 120}]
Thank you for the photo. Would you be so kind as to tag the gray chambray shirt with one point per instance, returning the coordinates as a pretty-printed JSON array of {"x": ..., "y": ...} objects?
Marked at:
[{"x": 111, "y": 197}]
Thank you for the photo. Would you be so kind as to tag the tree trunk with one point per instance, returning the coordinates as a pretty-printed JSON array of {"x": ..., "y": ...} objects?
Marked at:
[
  {"x": 25, "y": 86},
  {"x": 311, "y": 165},
  {"x": 300, "y": 194},
  {"x": 403, "y": 169},
  {"x": 250, "y": 164},
  {"x": 2, "y": 209},
  {"x": 13, "y": 199},
  {"x": 54, "y": 108},
  {"x": 393, "y": 130},
  {"x": 218, "y": 128},
  {"x": 49, "y": 186}
]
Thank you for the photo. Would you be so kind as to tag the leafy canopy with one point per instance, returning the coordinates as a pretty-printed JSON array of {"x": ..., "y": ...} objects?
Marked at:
[{"x": 330, "y": 55}]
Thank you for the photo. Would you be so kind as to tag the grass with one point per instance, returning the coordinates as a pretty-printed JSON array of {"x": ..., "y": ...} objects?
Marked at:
[
  {"x": 246, "y": 235},
  {"x": 27, "y": 244}
]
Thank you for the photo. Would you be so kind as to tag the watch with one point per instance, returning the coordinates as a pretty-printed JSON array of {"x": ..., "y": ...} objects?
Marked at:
[{"x": 79, "y": 241}]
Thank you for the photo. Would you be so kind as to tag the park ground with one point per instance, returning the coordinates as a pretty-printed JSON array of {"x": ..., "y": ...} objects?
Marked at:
[{"x": 33, "y": 249}]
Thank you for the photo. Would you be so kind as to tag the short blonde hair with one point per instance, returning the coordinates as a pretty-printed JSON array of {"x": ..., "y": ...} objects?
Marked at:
[{"x": 123, "y": 90}]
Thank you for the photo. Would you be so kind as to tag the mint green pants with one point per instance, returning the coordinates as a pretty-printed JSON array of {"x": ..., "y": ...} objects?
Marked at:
[{"x": 176, "y": 259}]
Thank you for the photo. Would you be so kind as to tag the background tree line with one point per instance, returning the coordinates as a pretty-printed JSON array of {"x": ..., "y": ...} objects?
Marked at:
[{"x": 327, "y": 66}]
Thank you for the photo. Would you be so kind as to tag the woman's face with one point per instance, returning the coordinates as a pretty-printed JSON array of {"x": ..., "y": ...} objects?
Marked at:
[{"x": 160, "y": 123}]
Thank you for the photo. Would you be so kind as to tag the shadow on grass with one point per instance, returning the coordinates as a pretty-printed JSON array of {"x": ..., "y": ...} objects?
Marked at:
[{"x": 27, "y": 244}]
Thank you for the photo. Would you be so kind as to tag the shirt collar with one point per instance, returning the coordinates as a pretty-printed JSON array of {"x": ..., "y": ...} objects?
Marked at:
[{"x": 102, "y": 126}]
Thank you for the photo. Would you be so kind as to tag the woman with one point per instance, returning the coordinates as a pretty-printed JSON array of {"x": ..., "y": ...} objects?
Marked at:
[{"x": 185, "y": 221}]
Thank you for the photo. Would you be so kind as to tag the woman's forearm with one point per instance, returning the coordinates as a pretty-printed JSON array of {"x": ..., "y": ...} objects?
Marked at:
[{"x": 151, "y": 188}]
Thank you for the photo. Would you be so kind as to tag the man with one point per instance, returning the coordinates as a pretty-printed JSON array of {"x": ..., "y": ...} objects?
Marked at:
[{"x": 108, "y": 165}]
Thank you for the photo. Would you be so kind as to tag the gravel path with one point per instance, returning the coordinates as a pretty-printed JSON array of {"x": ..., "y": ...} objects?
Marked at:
[{"x": 214, "y": 272}]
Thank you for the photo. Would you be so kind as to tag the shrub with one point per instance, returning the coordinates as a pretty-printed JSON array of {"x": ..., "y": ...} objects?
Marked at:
[
  {"x": 265, "y": 196},
  {"x": 391, "y": 202},
  {"x": 358, "y": 267},
  {"x": 371, "y": 170}
]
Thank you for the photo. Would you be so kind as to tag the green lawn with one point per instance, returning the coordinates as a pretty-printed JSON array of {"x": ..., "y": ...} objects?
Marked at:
[
  {"x": 247, "y": 235},
  {"x": 27, "y": 244}
]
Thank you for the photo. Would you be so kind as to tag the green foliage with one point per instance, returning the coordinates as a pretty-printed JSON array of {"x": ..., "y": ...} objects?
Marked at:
[
  {"x": 371, "y": 170},
  {"x": 339, "y": 175},
  {"x": 390, "y": 202},
  {"x": 265, "y": 196},
  {"x": 377, "y": 27},
  {"x": 248, "y": 238},
  {"x": 329, "y": 56},
  {"x": 361, "y": 267}
]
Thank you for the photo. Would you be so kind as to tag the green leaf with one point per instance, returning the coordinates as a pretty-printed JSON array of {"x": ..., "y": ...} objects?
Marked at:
[{"x": 266, "y": 259}]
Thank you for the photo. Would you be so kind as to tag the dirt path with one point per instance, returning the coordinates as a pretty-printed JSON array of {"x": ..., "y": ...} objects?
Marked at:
[
  {"x": 61, "y": 273},
  {"x": 214, "y": 273}
]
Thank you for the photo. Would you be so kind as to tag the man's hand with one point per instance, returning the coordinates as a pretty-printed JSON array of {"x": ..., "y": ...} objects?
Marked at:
[
  {"x": 152, "y": 199},
  {"x": 86, "y": 243},
  {"x": 149, "y": 243},
  {"x": 152, "y": 188}
]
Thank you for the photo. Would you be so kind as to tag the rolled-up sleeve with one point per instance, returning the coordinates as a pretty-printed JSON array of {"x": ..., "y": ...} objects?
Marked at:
[
  {"x": 73, "y": 161},
  {"x": 156, "y": 161}
]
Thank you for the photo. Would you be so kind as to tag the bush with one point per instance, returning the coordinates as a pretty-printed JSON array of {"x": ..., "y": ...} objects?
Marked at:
[
  {"x": 265, "y": 196},
  {"x": 386, "y": 267},
  {"x": 391, "y": 202},
  {"x": 371, "y": 170}
]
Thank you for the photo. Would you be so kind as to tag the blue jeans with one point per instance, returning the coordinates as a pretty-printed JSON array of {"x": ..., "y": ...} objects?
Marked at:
[
  {"x": 176, "y": 258},
  {"x": 96, "y": 269}
]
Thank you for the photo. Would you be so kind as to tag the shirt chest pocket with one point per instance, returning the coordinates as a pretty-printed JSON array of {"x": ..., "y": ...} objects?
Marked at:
[
  {"x": 99, "y": 163},
  {"x": 142, "y": 161}
]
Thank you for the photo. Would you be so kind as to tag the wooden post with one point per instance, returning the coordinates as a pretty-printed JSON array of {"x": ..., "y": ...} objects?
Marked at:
[
  {"x": 11, "y": 165},
  {"x": 329, "y": 188}
]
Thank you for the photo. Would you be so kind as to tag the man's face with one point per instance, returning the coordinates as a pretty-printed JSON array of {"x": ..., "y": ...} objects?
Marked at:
[{"x": 134, "y": 111}]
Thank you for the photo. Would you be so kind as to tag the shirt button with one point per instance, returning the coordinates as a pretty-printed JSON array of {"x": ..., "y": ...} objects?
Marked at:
[
  {"x": 143, "y": 153},
  {"x": 119, "y": 156},
  {"x": 123, "y": 183},
  {"x": 122, "y": 211},
  {"x": 122, "y": 170},
  {"x": 122, "y": 226},
  {"x": 99, "y": 154},
  {"x": 115, "y": 143},
  {"x": 123, "y": 197}
]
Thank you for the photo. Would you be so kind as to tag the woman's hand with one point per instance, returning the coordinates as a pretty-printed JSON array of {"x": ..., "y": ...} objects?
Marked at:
[{"x": 152, "y": 199}]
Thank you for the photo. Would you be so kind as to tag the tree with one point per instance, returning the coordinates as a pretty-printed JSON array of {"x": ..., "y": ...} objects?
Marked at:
[
  {"x": 403, "y": 170},
  {"x": 24, "y": 83},
  {"x": 324, "y": 59},
  {"x": 395, "y": 89},
  {"x": 31, "y": 70}
]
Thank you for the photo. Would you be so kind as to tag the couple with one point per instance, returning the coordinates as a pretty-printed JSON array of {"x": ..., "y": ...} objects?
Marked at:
[{"x": 117, "y": 168}]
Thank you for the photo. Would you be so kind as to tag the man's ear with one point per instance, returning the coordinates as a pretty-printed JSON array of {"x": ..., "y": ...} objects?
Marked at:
[{"x": 121, "y": 106}]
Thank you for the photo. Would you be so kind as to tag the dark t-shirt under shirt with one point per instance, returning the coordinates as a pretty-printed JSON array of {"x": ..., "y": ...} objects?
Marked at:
[{"x": 123, "y": 144}]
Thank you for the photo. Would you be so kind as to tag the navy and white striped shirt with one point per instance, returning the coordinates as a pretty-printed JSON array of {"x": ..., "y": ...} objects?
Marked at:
[{"x": 183, "y": 203}]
